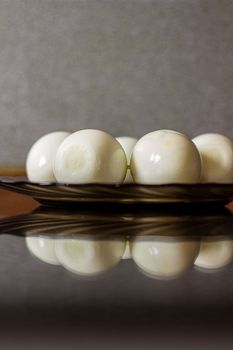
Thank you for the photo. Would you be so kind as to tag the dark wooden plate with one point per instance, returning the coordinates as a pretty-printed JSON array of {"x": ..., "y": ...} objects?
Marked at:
[{"x": 54, "y": 194}]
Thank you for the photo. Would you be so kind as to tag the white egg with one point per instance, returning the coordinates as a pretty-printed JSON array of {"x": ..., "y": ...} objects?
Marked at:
[
  {"x": 127, "y": 253},
  {"x": 165, "y": 156},
  {"x": 43, "y": 248},
  {"x": 215, "y": 252},
  {"x": 217, "y": 156},
  {"x": 164, "y": 258},
  {"x": 128, "y": 144},
  {"x": 90, "y": 156},
  {"x": 39, "y": 163},
  {"x": 89, "y": 257}
]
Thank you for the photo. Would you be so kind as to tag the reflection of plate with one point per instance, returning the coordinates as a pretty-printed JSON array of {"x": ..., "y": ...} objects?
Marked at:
[
  {"x": 163, "y": 245},
  {"x": 52, "y": 222},
  {"x": 59, "y": 194}
]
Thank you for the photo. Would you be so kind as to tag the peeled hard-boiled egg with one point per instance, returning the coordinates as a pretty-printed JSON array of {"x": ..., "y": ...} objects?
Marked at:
[
  {"x": 43, "y": 248},
  {"x": 162, "y": 258},
  {"x": 128, "y": 144},
  {"x": 217, "y": 157},
  {"x": 90, "y": 156},
  {"x": 215, "y": 253},
  {"x": 89, "y": 257},
  {"x": 39, "y": 163},
  {"x": 165, "y": 156}
]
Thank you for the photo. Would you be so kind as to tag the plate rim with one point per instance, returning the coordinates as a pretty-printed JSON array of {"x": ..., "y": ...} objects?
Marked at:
[{"x": 23, "y": 180}]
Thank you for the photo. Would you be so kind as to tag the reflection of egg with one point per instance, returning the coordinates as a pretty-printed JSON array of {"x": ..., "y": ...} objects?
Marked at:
[
  {"x": 217, "y": 157},
  {"x": 43, "y": 248},
  {"x": 164, "y": 259},
  {"x": 39, "y": 163},
  {"x": 90, "y": 156},
  {"x": 127, "y": 253},
  {"x": 215, "y": 253},
  {"x": 89, "y": 257},
  {"x": 128, "y": 144},
  {"x": 165, "y": 156}
]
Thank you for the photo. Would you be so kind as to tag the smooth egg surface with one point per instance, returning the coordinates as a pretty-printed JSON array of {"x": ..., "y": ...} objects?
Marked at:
[
  {"x": 165, "y": 156},
  {"x": 90, "y": 156},
  {"x": 217, "y": 157},
  {"x": 39, "y": 163}
]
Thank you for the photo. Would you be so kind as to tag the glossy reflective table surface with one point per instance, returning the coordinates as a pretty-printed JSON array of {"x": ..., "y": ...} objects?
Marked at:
[{"x": 115, "y": 278}]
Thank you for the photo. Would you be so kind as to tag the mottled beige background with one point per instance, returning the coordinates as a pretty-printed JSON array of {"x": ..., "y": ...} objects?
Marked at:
[{"x": 128, "y": 67}]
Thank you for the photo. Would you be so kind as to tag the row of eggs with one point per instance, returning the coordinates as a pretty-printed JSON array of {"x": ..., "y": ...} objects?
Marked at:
[
  {"x": 162, "y": 156},
  {"x": 160, "y": 258}
]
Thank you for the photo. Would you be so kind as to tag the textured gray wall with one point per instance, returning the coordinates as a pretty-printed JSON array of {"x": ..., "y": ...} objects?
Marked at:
[{"x": 128, "y": 67}]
